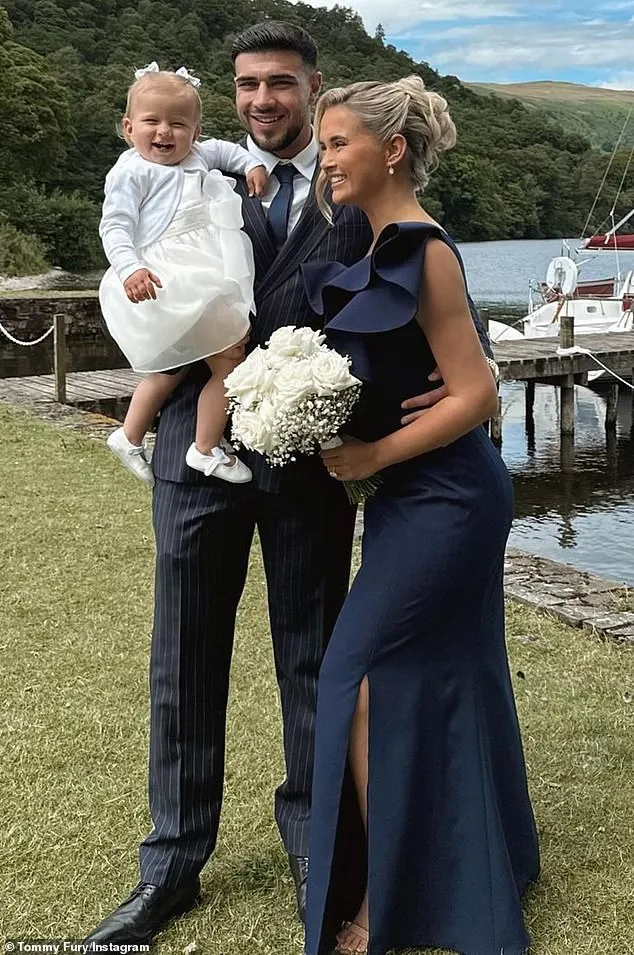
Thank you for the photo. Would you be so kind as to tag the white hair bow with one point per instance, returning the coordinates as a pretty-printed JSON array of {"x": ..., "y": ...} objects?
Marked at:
[
  {"x": 153, "y": 67},
  {"x": 186, "y": 75}
]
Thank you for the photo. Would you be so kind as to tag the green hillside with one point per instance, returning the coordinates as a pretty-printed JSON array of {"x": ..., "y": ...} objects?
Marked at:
[
  {"x": 66, "y": 66},
  {"x": 597, "y": 114}
]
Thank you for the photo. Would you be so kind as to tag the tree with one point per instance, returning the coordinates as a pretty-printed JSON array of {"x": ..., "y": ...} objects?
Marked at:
[
  {"x": 35, "y": 116},
  {"x": 66, "y": 66}
]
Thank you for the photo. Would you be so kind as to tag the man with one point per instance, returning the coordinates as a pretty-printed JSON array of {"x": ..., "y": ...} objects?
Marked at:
[{"x": 204, "y": 528}]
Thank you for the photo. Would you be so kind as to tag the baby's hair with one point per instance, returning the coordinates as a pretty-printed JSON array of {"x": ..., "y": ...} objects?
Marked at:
[
  {"x": 172, "y": 83},
  {"x": 402, "y": 107}
]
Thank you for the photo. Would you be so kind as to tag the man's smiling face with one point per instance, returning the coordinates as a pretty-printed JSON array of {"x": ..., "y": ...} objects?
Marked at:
[{"x": 275, "y": 90}]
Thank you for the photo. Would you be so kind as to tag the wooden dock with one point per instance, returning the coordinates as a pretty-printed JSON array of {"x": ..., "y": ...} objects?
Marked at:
[
  {"x": 532, "y": 360},
  {"x": 536, "y": 359},
  {"x": 107, "y": 392}
]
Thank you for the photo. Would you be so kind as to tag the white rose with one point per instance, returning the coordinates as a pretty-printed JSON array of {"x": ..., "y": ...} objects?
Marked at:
[
  {"x": 252, "y": 431},
  {"x": 293, "y": 382},
  {"x": 331, "y": 372},
  {"x": 291, "y": 342},
  {"x": 251, "y": 380}
]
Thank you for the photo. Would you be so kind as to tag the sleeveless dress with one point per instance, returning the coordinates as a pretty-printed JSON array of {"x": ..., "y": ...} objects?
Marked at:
[
  {"x": 451, "y": 840},
  {"x": 205, "y": 264}
]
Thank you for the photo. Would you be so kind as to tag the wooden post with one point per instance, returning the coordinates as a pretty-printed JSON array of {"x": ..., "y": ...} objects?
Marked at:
[
  {"x": 567, "y": 331},
  {"x": 496, "y": 426},
  {"x": 484, "y": 317},
  {"x": 611, "y": 407},
  {"x": 59, "y": 356},
  {"x": 612, "y": 450},
  {"x": 530, "y": 399},
  {"x": 567, "y": 391},
  {"x": 567, "y": 454}
]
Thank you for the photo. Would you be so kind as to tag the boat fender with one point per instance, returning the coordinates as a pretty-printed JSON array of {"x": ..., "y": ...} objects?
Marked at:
[{"x": 562, "y": 275}]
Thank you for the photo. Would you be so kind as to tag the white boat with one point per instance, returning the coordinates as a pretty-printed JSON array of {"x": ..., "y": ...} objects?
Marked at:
[{"x": 597, "y": 305}]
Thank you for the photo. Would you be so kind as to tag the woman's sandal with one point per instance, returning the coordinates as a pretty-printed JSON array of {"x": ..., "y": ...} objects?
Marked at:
[{"x": 361, "y": 942}]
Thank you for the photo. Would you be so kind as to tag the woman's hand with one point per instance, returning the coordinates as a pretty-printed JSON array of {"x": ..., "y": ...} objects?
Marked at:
[
  {"x": 352, "y": 461},
  {"x": 140, "y": 285}
]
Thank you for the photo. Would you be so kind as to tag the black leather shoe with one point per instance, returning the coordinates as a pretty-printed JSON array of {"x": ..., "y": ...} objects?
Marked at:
[
  {"x": 145, "y": 912},
  {"x": 299, "y": 871}
]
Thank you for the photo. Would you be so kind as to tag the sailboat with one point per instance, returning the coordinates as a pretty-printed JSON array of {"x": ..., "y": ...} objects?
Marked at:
[{"x": 597, "y": 305}]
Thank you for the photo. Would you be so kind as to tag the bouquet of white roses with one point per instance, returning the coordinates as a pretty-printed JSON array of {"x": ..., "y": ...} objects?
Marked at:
[{"x": 292, "y": 397}]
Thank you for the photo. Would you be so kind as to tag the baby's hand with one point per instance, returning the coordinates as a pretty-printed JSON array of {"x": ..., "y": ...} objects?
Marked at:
[
  {"x": 140, "y": 285},
  {"x": 257, "y": 181}
]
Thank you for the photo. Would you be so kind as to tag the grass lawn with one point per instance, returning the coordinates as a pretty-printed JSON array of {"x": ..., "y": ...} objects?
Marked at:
[{"x": 75, "y": 606}]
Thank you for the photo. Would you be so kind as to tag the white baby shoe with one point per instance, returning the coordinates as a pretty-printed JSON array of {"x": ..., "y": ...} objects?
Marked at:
[
  {"x": 218, "y": 464},
  {"x": 132, "y": 456}
]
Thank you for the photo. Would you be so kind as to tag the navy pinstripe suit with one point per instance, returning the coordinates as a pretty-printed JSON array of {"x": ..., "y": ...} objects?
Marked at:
[{"x": 204, "y": 530}]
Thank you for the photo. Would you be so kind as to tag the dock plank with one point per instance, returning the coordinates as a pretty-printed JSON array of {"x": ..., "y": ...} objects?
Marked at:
[
  {"x": 96, "y": 390},
  {"x": 537, "y": 359}
]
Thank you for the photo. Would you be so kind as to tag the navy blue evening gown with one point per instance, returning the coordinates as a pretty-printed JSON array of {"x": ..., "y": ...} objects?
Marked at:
[{"x": 451, "y": 836}]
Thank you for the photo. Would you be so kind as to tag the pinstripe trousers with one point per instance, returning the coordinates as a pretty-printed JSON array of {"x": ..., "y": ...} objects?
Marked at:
[{"x": 203, "y": 538}]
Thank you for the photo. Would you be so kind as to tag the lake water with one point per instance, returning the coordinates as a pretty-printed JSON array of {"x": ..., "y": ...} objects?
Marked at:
[{"x": 581, "y": 513}]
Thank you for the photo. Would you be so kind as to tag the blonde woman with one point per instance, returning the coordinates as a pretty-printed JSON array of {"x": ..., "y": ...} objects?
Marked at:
[{"x": 422, "y": 832}]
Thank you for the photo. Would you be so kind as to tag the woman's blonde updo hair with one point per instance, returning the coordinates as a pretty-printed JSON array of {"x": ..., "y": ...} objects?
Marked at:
[{"x": 402, "y": 107}]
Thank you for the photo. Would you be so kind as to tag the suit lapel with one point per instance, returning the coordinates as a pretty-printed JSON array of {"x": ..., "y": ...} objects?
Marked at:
[
  {"x": 255, "y": 226},
  {"x": 308, "y": 232}
]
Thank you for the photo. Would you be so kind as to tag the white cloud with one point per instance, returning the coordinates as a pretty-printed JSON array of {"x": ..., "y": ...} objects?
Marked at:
[
  {"x": 522, "y": 45},
  {"x": 496, "y": 39},
  {"x": 396, "y": 17},
  {"x": 620, "y": 81}
]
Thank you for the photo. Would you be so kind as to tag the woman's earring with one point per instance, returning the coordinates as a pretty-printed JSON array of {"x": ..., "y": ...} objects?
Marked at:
[{"x": 390, "y": 170}]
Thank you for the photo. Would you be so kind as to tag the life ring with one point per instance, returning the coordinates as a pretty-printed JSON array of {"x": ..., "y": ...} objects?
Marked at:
[{"x": 562, "y": 275}]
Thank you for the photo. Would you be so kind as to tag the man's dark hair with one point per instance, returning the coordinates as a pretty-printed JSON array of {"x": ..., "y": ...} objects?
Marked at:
[{"x": 276, "y": 35}]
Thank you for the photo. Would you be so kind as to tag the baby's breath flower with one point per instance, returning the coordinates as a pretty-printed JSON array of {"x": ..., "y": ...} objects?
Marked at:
[{"x": 292, "y": 398}]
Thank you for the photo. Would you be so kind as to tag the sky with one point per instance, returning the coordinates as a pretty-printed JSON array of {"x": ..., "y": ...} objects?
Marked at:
[{"x": 511, "y": 41}]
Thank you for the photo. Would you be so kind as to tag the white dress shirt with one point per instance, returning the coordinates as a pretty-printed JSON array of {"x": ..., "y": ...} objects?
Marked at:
[{"x": 305, "y": 163}]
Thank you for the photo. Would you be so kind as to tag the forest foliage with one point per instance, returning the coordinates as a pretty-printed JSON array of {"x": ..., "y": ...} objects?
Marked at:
[{"x": 67, "y": 64}]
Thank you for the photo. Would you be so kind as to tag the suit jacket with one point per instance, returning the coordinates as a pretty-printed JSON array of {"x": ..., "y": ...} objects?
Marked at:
[{"x": 280, "y": 300}]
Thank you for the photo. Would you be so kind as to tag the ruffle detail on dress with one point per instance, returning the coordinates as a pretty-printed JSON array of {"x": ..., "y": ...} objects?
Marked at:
[
  {"x": 226, "y": 204},
  {"x": 380, "y": 292}
]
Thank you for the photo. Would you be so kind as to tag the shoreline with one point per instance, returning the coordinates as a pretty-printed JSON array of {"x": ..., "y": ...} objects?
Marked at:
[{"x": 580, "y": 599}]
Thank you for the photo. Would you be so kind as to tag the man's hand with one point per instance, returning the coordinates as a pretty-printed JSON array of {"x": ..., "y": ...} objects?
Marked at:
[
  {"x": 422, "y": 402},
  {"x": 140, "y": 285},
  {"x": 257, "y": 181}
]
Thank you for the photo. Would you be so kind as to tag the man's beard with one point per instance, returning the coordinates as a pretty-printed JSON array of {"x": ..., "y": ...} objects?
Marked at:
[{"x": 279, "y": 144}]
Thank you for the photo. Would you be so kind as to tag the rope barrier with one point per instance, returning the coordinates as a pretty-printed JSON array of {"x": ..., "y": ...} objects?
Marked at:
[
  {"x": 578, "y": 350},
  {"x": 16, "y": 341}
]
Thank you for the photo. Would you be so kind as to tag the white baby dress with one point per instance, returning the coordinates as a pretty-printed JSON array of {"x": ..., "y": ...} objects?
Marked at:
[{"x": 205, "y": 264}]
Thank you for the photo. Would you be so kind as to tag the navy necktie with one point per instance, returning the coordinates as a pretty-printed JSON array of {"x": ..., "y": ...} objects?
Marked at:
[{"x": 280, "y": 208}]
